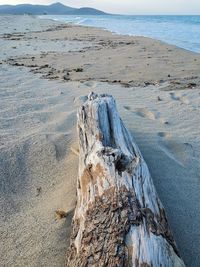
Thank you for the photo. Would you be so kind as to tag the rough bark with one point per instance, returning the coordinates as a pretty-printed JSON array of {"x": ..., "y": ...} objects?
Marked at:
[{"x": 119, "y": 219}]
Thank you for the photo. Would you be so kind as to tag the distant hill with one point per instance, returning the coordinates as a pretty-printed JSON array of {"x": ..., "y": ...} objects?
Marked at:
[{"x": 54, "y": 9}]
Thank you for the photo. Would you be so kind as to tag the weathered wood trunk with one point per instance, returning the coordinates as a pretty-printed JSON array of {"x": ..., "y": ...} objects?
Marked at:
[{"x": 119, "y": 219}]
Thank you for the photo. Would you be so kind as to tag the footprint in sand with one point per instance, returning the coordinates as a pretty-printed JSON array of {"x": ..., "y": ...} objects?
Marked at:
[
  {"x": 90, "y": 84},
  {"x": 145, "y": 113},
  {"x": 127, "y": 107},
  {"x": 164, "y": 135},
  {"x": 179, "y": 152},
  {"x": 184, "y": 100},
  {"x": 178, "y": 97},
  {"x": 60, "y": 143}
]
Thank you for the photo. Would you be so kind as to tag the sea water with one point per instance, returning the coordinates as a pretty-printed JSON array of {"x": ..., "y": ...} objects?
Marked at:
[{"x": 182, "y": 31}]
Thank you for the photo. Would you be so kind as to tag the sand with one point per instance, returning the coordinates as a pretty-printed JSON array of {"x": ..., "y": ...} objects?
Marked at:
[{"x": 46, "y": 72}]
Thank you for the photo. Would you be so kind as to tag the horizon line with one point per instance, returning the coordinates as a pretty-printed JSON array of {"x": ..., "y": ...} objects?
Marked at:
[{"x": 107, "y": 13}]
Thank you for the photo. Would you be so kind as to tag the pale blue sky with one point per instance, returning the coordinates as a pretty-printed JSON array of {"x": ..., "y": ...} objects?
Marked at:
[{"x": 127, "y": 6}]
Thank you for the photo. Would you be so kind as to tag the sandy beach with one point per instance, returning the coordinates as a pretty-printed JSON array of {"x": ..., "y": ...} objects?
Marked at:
[{"x": 46, "y": 71}]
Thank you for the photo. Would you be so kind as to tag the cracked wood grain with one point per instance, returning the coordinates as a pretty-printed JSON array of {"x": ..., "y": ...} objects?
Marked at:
[{"x": 119, "y": 219}]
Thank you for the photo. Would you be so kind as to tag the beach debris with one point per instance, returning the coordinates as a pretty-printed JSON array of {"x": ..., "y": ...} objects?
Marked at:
[
  {"x": 44, "y": 66},
  {"x": 191, "y": 85},
  {"x": 116, "y": 81},
  {"x": 66, "y": 77},
  {"x": 61, "y": 214},
  {"x": 118, "y": 213},
  {"x": 147, "y": 83},
  {"x": 78, "y": 70},
  {"x": 39, "y": 190}
]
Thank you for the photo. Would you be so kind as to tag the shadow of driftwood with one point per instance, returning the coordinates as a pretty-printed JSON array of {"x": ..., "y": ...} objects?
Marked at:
[{"x": 178, "y": 187}]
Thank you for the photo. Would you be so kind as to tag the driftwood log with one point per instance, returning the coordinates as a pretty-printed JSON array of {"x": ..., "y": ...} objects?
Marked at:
[{"x": 119, "y": 219}]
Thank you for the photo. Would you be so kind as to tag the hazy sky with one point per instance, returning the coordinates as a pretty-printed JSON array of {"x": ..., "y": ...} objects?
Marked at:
[{"x": 127, "y": 6}]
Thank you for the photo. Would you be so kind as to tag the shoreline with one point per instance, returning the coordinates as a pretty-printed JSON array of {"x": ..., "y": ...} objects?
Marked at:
[
  {"x": 166, "y": 38},
  {"x": 126, "y": 35},
  {"x": 154, "y": 52},
  {"x": 46, "y": 72}
]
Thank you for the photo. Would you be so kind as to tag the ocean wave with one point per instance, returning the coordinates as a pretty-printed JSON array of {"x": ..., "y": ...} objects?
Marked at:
[{"x": 85, "y": 21}]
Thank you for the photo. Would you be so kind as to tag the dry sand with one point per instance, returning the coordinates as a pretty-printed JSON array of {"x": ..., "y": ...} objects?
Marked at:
[{"x": 157, "y": 88}]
